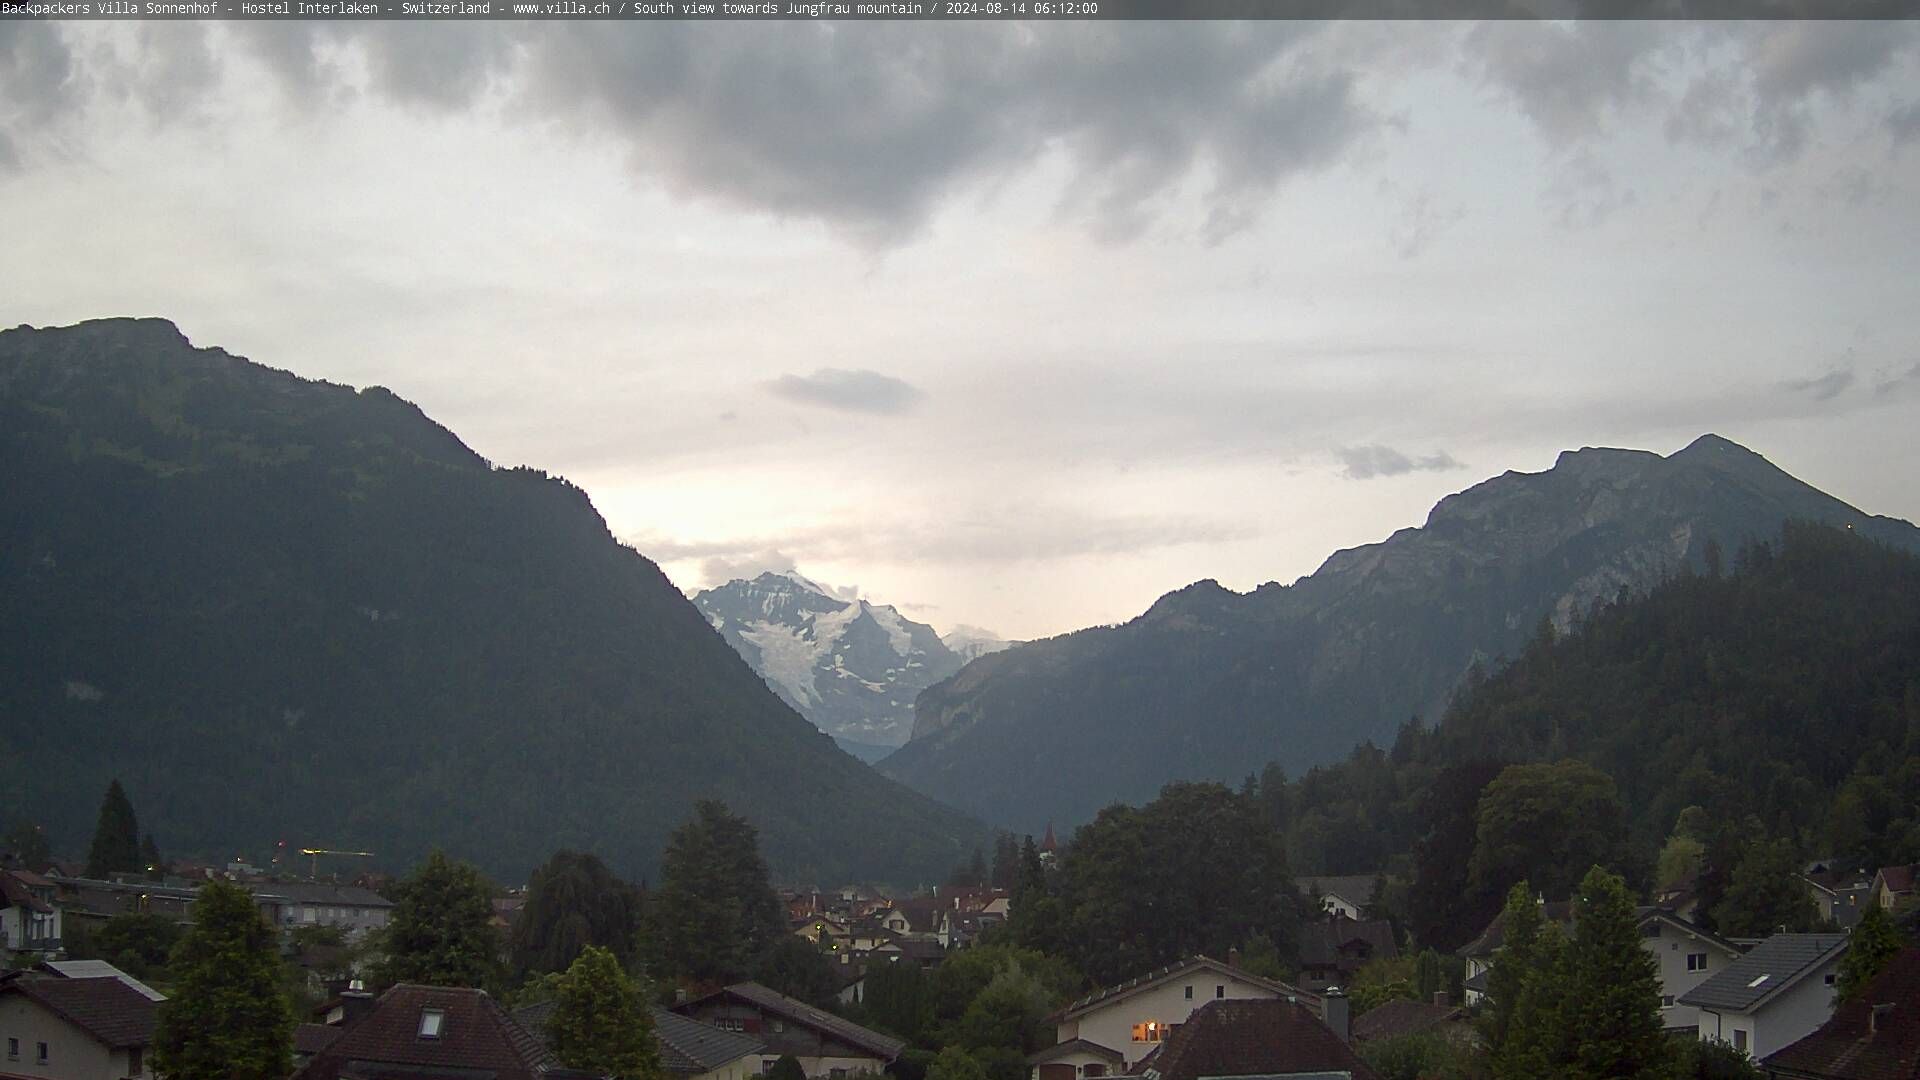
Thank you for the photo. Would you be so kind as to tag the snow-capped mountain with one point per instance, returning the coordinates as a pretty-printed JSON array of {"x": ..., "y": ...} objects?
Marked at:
[{"x": 850, "y": 666}]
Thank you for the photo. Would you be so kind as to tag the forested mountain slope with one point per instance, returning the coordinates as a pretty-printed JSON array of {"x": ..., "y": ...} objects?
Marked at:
[
  {"x": 1209, "y": 680},
  {"x": 287, "y": 610}
]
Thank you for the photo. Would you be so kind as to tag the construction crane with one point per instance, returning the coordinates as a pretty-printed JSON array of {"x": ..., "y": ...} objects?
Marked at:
[{"x": 315, "y": 852}]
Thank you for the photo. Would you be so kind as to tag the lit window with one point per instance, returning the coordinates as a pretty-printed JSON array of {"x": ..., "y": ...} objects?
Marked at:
[
  {"x": 431, "y": 1021},
  {"x": 1151, "y": 1031}
]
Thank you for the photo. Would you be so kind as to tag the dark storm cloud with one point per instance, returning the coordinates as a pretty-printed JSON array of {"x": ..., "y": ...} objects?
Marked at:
[
  {"x": 850, "y": 391},
  {"x": 864, "y": 126},
  {"x": 1825, "y": 387},
  {"x": 1367, "y": 462}
]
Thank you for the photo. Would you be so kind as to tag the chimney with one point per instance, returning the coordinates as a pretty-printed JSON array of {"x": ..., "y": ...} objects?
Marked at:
[
  {"x": 1337, "y": 1012},
  {"x": 1877, "y": 1016},
  {"x": 1442, "y": 999},
  {"x": 1233, "y": 957}
]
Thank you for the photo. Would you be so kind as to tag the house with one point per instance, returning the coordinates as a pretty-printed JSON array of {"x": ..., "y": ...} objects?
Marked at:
[
  {"x": 1777, "y": 993},
  {"x": 1333, "y": 950},
  {"x": 1267, "y": 1039},
  {"x": 923, "y": 951},
  {"x": 29, "y": 918},
  {"x": 74, "y": 1029},
  {"x": 1840, "y": 894},
  {"x": 1134, "y": 1018},
  {"x": 353, "y": 909},
  {"x": 825, "y": 1045},
  {"x": 416, "y": 1032},
  {"x": 1875, "y": 1037},
  {"x": 1688, "y": 955},
  {"x": 924, "y": 916},
  {"x": 688, "y": 1048},
  {"x": 93, "y": 899},
  {"x": 1893, "y": 886},
  {"x": 1397, "y": 1018},
  {"x": 1351, "y": 895}
]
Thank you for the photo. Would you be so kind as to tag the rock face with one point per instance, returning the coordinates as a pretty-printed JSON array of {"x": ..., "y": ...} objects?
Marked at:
[
  {"x": 279, "y": 609},
  {"x": 1210, "y": 683},
  {"x": 850, "y": 666}
]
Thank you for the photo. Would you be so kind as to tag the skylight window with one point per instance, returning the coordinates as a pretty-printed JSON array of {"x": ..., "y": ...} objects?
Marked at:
[
  {"x": 431, "y": 1021},
  {"x": 1758, "y": 981}
]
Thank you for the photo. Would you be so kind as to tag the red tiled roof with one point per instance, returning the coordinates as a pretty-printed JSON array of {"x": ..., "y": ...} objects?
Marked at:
[
  {"x": 15, "y": 893},
  {"x": 881, "y": 1046},
  {"x": 1850, "y": 1046},
  {"x": 107, "y": 1009},
  {"x": 476, "y": 1034},
  {"x": 313, "y": 1038},
  {"x": 1254, "y": 1037},
  {"x": 1899, "y": 878}
]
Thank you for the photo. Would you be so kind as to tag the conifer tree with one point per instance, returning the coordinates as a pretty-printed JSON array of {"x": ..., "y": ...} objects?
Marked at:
[
  {"x": 228, "y": 1018},
  {"x": 787, "y": 1067},
  {"x": 1519, "y": 927},
  {"x": 150, "y": 860},
  {"x": 600, "y": 1021},
  {"x": 439, "y": 933},
  {"x": 716, "y": 911},
  {"x": 116, "y": 837},
  {"x": 1875, "y": 941},
  {"x": 1612, "y": 1006},
  {"x": 1538, "y": 1042}
]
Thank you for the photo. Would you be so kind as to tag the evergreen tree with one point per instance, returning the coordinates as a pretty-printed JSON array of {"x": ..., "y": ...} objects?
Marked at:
[
  {"x": 228, "y": 1018},
  {"x": 1006, "y": 860},
  {"x": 573, "y": 901},
  {"x": 1514, "y": 963},
  {"x": 715, "y": 912},
  {"x": 438, "y": 934},
  {"x": 797, "y": 968},
  {"x": 27, "y": 844},
  {"x": 116, "y": 838},
  {"x": 1429, "y": 978},
  {"x": 150, "y": 860},
  {"x": 1765, "y": 894},
  {"x": 600, "y": 1021},
  {"x": 1874, "y": 942},
  {"x": 1612, "y": 1005},
  {"x": 1538, "y": 1040}
]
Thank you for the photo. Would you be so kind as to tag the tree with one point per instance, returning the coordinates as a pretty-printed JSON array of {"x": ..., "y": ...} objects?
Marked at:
[
  {"x": 1765, "y": 894},
  {"x": 1548, "y": 823},
  {"x": 600, "y": 1021},
  {"x": 116, "y": 837},
  {"x": 573, "y": 901},
  {"x": 138, "y": 943},
  {"x": 1006, "y": 860},
  {"x": 27, "y": 843},
  {"x": 715, "y": 911},
  {"x": 899, "y": 998},
  {"x": 1538, "y": 1042},
  {"x": 797, "y": 968},
  {"x": 1445, "y": 907},
  {"x": 1874, "y": 942},
  {"x": 953, "y": 1063},
  {"x": 970, "y": 874},
  {"x": 150, "y": 860},
  {"x": 1514, "y": 963},
  {"x": 228, "y": 1018},
  {"x": 1612, "y": 1008},
  {"x": 1006, "y": 1015},
  {"x": 786, "y": 1067},
  {"x": 439, "y": 933}
]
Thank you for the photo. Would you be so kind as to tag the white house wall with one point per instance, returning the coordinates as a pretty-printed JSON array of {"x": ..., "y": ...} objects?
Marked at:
[
  {"x": 1785, "y": 1019},
  {"x": 1670, "y": 951},
  {"x": 1111, "y": 1024}
]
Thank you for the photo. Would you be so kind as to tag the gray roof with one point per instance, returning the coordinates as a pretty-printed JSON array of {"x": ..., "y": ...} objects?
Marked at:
[
  {"x": 691, "y": 1047},
  {"x": 300, "y": 892},
  {"x": 885, "y": 1047},
  {"x": 1357, "y": 888},
  {"x": 100, "y": 969},
  {"x": 1771, "y": 967}
]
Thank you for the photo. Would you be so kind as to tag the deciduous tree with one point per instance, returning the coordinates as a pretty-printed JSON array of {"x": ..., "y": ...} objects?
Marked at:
[
  {"x": 439, "y": 934},
  {"x": 600, "y": 1021}
]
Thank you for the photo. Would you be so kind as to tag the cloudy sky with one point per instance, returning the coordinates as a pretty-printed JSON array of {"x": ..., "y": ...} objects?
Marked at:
[{"x": 1013, "y": 326}]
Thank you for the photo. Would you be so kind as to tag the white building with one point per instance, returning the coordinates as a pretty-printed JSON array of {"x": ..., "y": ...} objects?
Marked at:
[
  {"x": 1688, "y": 955},
  {"x": 1773, "y": 996},
  {"x": 1110, "y": 1030}
]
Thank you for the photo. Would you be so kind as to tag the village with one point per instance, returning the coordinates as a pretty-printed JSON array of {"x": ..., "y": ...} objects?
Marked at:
[{"x": 1357, "y": 999}]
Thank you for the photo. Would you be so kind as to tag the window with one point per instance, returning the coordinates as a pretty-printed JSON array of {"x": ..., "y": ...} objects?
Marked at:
[
  {"x": 1740, "y": 1039},
  {"x": 779, "y": 1025},
  {"x": 1095, "y": 1069},
  {"x": 1189, "y": 993},
  {"x": 1666, "y": 1001},
  {"x": 133, "y": 1062},
  {"x": 13, "y": 1049},
  {"x": 730, "y": 1023},
  {"x": 1150, "y": 1031},
  {"x": 1696, "y": 961},
  {"x": 42, "y": 1059},
  {"x": 1829, "y": 978},
  {"x": 1219, "y": 992},
  {"x": 431, "y": 1021}
]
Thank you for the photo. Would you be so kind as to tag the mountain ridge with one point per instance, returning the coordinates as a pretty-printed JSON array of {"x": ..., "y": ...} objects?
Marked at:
[
  {"x": 282, "y": 609},
  {"x": 1207, "y": 681}
]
